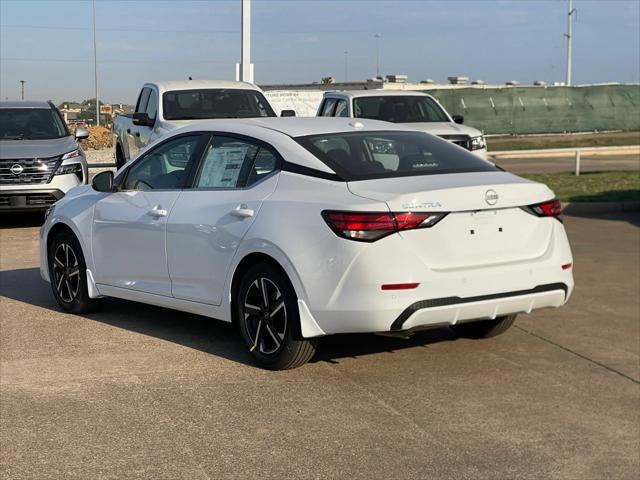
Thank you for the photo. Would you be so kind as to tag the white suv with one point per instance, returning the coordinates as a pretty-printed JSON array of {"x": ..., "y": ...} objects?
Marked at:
[
  {"x": 40, "y": 160},
  {"x": 415, "y": 109}
]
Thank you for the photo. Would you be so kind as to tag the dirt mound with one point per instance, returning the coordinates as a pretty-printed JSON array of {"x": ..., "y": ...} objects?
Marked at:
[{"x": 99, "y": 138}]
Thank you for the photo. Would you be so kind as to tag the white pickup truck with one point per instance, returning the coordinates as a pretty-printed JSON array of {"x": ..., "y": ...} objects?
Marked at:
[
  {"x": 165, "y": 106},
  {"x": 414, "y": 109}
]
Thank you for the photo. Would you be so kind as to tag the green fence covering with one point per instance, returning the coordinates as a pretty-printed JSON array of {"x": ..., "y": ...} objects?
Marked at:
[{"x": 520, "y": 110}]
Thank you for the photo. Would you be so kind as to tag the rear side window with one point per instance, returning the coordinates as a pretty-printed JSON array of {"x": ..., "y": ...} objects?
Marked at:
[{"x": 367, "y": 155}]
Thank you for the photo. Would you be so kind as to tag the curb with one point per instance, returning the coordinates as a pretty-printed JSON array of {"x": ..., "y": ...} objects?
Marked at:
[{"x": 582, "y": 208}]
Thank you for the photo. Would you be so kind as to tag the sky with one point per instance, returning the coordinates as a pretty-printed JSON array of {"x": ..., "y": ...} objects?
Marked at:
[{"x": 49, "y": 43}]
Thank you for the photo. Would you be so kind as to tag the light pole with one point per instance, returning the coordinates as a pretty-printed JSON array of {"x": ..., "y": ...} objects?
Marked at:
[
  {"x": 95, "y": 64},
  {"x": 22, "y": 82},
  {"x": 245, "y": 69},
  {"x": 569, "y": 36},
  {"x": 346, "y": 66},
  {"x": 378, "y": 36}
]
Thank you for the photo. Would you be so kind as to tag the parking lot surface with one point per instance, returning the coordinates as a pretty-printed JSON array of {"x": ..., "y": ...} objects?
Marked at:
[{"x": 134, "y": 391}]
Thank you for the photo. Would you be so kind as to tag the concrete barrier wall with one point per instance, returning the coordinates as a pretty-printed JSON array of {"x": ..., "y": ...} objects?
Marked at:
[{"x": 515, "y": 110}]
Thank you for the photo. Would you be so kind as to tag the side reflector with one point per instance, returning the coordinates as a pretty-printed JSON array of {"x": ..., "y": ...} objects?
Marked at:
[
  {"x": 567, "y": 266},
  {"x": 400, "y": 286}
]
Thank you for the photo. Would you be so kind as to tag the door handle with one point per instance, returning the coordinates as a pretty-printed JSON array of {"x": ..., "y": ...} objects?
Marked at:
[
  {"x": 242, "y": 211},
  {"x": 158, "y": 212}
]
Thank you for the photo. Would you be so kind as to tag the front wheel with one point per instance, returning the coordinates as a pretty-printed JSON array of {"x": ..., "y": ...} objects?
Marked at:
[
  {"x": 268, "y": 319},
  {"x": 67, "y": 272},
  {"x": 484, "y": 328}
]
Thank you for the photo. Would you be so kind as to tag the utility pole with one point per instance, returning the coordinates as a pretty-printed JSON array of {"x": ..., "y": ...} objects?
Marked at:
[
  {"x": 245, "y": 69},
  {"x": 569, "y": 36},
  {"x": 95, "y": 64},
  {"x": 22, "y": 82},
  {"x": 346, "y": 66},
  {"x": 378, "y": 37}
]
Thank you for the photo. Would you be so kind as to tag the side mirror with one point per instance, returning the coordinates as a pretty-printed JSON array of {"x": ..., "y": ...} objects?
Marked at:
[
  {"x": 288, "y": 113},
  {"x": 458, "y": 119},
  {"x": 142, "y": 119},
  {"x": 103, "y": 182},
  {"x": 81, "y": 133}
]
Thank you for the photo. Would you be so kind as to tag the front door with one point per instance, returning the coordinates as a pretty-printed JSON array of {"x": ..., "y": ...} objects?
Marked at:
[
  {"x": 209, "y": 221},
  {"x": 129, "y": 225}
]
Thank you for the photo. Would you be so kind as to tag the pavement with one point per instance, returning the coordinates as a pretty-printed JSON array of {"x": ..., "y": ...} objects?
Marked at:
[{"x": 134, "y": 391}]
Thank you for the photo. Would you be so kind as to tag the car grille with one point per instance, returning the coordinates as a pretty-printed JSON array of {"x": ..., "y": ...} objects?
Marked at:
[
  {"x": 27, "y": 199},
  {"x": 27, "y": 171},
  {"x": 461, "y": 140}
]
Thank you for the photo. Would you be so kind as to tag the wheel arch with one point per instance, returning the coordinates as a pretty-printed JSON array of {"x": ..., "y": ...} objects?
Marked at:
[{"x": 308, "y": 326}]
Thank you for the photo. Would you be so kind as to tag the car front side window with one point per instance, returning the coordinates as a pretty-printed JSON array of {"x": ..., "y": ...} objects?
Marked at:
[{"x": 164, "y": 168}]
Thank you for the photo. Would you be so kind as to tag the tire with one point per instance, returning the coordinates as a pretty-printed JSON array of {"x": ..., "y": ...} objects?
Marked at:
[
  {"x": 267, "y": 316},
  {"x": 484, "y": 328},
  {"x": 67, "y": 273}
]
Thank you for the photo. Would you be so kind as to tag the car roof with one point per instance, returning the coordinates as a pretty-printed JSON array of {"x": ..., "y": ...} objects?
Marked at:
[
  {"x": 378, "y": 93},
  {"x": 301, "y": 126},
  {"x": 24, "y": 104},
  {"x": 169, "y": 85}
]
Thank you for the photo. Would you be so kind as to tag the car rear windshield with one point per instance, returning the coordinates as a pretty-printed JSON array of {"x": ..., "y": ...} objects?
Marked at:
[
  {"x": 399, "y": 109},
  {"x": 215, "y": 103},
  {"x": 31, "y": 124},
  {"x": 367, "y": 155}
]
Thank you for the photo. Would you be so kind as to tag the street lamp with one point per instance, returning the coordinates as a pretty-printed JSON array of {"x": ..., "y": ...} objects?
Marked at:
[
  {"x": 346, "y": 66},
  {"x": 378, "y": 36},
  {"x": 22, "y": 82},
  {"x": 95, "y": 65}
]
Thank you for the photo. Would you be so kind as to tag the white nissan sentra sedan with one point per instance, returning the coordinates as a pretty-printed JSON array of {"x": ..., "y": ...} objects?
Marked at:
[{"x": 298, "y": 228}]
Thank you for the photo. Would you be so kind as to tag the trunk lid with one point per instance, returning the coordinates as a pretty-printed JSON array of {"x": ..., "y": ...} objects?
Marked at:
[{"x": 484, "y": 225}]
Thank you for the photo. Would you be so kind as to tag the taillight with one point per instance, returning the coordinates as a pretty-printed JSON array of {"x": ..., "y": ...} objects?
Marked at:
[
  {"x": 551, "y": 208},
  {"x": 372, "y": 226}
]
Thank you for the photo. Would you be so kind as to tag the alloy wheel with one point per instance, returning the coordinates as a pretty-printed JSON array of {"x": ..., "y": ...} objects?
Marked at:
[
  {"x": 66, "y": 273},
  {"x": 265, "y": 316}
]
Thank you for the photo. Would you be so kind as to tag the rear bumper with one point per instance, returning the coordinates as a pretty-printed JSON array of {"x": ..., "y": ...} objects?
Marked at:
[
  {"x": 357, "y": 303},
  {"x": 28, "y": 200},
  {"x": 452, "y": 310}
]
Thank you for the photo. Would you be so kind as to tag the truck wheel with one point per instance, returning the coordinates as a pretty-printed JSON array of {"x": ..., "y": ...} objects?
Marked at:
[
  {"x": 484, "y": 328},
  {"x": 268, "y": 319},
  {"x": 67, "y": 272}
]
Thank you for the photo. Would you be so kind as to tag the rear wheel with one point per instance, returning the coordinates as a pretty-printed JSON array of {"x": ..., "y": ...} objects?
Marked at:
[
  {"x": 67, "y": 272},
  {"x": 268, "y": 319},
  {"x": 484, "y": 328}
]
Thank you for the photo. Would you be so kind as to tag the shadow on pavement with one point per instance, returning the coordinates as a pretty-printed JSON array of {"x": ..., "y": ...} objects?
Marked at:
[{"x": 197, "y": 332}]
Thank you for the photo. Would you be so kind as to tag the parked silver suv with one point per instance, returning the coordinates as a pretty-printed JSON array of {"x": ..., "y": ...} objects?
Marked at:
[{"x": 39, "y": 159}]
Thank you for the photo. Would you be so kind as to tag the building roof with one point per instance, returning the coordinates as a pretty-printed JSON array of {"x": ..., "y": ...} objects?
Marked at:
[{"x": 24, "y": 104}]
